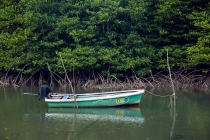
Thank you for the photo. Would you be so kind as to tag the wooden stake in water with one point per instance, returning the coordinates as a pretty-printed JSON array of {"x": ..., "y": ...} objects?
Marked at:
[
  {"x": 69, "y": 82},
  {"x": 172, "y": 84}
]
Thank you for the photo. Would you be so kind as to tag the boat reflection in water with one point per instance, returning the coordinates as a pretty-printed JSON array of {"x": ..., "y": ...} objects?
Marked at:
[
  {"x": 100, "y": 114},
  {"x": 94, "y": 123}
]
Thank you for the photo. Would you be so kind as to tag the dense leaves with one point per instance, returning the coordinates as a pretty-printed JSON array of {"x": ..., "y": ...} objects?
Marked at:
[{"x": 106, "y": 36}]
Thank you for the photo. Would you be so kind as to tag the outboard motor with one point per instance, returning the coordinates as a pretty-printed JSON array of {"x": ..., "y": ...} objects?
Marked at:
[{"x": 44, "y": 92}]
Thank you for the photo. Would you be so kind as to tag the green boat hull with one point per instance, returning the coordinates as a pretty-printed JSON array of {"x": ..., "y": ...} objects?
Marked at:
[{"x": 135, "y": 99}]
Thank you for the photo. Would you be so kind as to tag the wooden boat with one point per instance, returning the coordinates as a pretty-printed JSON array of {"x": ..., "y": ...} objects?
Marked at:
[{"x": 102, "y": 99}]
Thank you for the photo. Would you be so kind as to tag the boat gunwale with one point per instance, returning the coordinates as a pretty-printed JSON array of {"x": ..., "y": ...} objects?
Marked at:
[
  {"x": 102, "y": 93},
  {"x": 105, "y": 97}
]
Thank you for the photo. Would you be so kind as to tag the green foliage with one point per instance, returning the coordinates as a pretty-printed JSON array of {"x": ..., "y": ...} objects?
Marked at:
[
  {"x": 110, "y": 37},
  {"x": 80, "y": 58},
  {"x": 200, "y": 52}
]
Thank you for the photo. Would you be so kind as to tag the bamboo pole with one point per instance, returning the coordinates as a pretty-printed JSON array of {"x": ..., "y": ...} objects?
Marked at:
[
  {"x": 172, "y": 84},
  {"x": 69, "y": 81}
]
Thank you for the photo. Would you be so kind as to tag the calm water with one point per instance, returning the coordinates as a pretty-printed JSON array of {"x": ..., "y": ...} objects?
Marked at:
[{"x": 24, "y": 117}]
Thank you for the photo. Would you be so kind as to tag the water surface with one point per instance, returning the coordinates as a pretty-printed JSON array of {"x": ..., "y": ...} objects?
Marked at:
[{"x": 24, "y": 117}]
